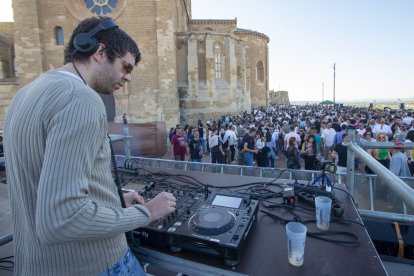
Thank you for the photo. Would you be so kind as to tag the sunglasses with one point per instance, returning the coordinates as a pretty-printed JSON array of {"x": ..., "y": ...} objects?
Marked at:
[{"x": 128, "y": 67}]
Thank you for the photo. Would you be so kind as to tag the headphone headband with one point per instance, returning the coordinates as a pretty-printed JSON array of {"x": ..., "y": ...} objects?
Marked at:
[{"x": 86, "y": 43}]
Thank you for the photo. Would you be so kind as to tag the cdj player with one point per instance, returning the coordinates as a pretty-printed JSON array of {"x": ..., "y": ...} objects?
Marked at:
[{"x": 210, "y": 223}]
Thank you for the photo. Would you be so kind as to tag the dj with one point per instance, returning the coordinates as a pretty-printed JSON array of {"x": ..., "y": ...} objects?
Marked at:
[{"x": 67, "y": 216}]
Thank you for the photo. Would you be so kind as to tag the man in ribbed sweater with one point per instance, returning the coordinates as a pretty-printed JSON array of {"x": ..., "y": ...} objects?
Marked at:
[{"x": 66, "y": 213}]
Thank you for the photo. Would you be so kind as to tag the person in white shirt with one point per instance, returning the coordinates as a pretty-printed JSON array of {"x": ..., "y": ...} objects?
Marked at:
[
  {"x": 382, "y": 128},
  {"x": 407, "y": 120},
  {"x": 328, "y": 136},
  {"x": 292, "y": 133},
  {"x": 361, "y": 130},
  {"x": 233, "y": 141}
]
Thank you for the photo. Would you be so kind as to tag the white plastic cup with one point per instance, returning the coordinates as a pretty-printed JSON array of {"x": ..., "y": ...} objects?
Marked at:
[
  {"x": 323, "y": 212},
  {"x": 296, "y": 237}
]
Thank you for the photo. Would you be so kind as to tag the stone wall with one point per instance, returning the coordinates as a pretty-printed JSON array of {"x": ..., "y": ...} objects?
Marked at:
[
  {"x": 279, "y": 97},
  {"x": 257, "y": 51}
]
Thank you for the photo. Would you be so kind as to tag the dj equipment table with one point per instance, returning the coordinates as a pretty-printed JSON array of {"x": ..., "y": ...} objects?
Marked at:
[{"x": 265, "y": 250}]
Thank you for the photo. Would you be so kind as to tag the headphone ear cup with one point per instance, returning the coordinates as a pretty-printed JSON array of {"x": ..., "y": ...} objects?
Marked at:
[{"x": 85, "y": 44}]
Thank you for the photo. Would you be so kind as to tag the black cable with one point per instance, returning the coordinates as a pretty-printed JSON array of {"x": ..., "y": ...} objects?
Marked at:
[
  {"x": 76, "y": 68},
  {"x": 116, "y": 174},
  {"x": 129, "y": 235}
]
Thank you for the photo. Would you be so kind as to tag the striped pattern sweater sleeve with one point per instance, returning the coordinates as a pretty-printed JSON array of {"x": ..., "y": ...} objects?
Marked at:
[{"x": 66, "y": 213}]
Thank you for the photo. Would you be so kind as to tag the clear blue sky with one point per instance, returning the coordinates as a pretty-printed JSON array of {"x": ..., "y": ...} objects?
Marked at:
[{"x": 371, "y": 42}]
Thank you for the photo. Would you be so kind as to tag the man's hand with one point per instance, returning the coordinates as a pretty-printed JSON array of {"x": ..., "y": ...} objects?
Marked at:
[
  {"x": 161, "y": 205},
  {"x": 132, "y": 198}
]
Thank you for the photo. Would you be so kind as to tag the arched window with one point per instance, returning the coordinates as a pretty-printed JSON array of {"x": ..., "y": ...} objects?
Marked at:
[
  {"x": 217, "y": 61},
  {"x": 260, "y": 71},
  {"x": 59, "y": 35}
]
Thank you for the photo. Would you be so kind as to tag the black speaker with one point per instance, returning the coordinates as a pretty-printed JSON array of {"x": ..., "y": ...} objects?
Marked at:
[
  {"x": 85, "y": 43},
  {"x": 402, "y": 106}
]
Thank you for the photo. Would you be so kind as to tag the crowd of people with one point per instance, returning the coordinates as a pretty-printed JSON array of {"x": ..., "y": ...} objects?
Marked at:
[{"x": 302, "y": 135}]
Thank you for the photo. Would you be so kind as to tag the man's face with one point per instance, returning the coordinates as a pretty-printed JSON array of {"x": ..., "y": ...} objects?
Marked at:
[
  {"x": 112, "y": 76},
  {"x": 179, "y": 132}
]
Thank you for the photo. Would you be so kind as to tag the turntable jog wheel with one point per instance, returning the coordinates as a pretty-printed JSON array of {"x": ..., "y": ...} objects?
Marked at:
[{"x": 212, "y": 221}]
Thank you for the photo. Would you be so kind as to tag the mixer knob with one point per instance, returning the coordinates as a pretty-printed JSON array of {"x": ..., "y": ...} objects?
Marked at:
[{"x": 188, "y": 211}]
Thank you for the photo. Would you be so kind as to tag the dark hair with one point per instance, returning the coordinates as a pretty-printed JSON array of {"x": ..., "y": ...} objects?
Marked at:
[
  {"x": 410, "y": 135},
  {"x": 292, "y": 141},
  {"x": 268, "y": 137},
  {"x": 114, "y": 37},
  {"x": 313, "y": 143}
]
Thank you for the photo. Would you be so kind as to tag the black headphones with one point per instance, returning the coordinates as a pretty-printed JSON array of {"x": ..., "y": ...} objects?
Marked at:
[{"x": 85, "y": 43}]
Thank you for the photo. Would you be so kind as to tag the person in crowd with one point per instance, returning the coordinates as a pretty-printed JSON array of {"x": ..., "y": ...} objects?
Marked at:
[
  {"x": 271, "y": 145},
  {"x": 368, "y": 137},
  {"x": 171, "y": 134},
  {"x": 409, "y": 119},
  {"x": 195, "y": 147},
  {"x": 233, "y": 142},
  {"x": 411, "y": 126},
  {"x": 410, "y": 152},
  {"x": 327, "y": 136},
  {"x": 341, "y": 152},
  {"x": 249, "y": 146},
  {"x": 309, "y": 152},
  {"x": 383, "y": 128},
  {"x": 399, "y": 163},
  {"x": 382, "y": 155},
  {"x": 360, "y": 130},
  {"x": 292, "y": 155},
  {"x": 240, "y": 151},
  {"x": 292, "y": 133},
  {"x": 202, "y": 136},
  {"x": 68, "y": 218},
  {"x": 225, "y": 144},
  {"x": 339, "y": 135},
  {"x": 260, "y": 144},
  {"x": 179, "y": 145},
  {"x": 217, "y": 153},
  {"x": 302, "y": 135}
]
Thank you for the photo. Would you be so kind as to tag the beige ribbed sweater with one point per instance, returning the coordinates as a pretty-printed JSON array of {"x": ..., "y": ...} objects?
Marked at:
[{"x": 66, "y": 213}]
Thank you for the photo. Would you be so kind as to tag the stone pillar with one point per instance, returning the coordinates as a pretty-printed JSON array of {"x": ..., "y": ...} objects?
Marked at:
[
  {"x": 232, "y": 69},
  {"x": 210, "y": 76},
  {"x": 167, "y": 76},
  {"x": 192, "y": 62}
]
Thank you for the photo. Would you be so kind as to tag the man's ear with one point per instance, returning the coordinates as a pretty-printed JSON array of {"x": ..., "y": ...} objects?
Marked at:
[{"x": 100, "y": 55}]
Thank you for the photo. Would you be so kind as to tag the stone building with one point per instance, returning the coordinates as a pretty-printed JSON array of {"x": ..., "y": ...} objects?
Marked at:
[
  {"x": 190, "y": 68},
  {"x": 279, "y": 97}
]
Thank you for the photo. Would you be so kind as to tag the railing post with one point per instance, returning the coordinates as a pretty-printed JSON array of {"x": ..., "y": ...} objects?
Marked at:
[
  {"x": 127, "y": 143},
  {"x": 350, "y": 179}
]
